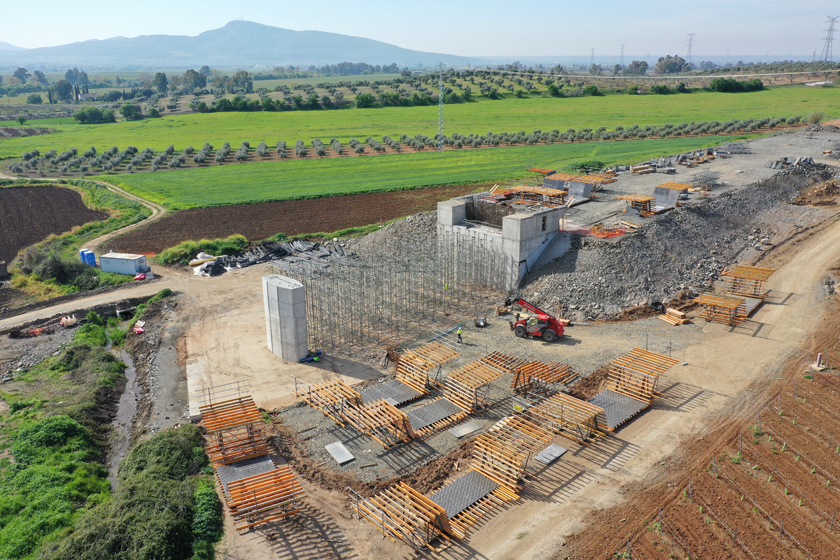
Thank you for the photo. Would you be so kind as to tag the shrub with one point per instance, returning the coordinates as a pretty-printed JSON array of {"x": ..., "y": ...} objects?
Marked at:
[
  {"x": 591, "y": 89},
  {"x": 815, "y": 117},
  {"x": 34, "y": 99},
  {"x": 731, "y": 85},
  {"x": 186, "y": 251}
]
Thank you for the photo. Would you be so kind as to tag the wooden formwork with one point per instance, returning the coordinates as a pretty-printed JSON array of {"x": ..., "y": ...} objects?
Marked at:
[
  {"x": 402, "y": 513},
  {"x": 747, "y": 281},
  {"x": 635, "y": 374},
  {"x": 382, "y": 421},
  {"x": 644, "y": 204},
  {"x": 473, "y": 514},
  {"x": 463, "y": 385},
  {"x": 414, "y": 366},
  {"x": 722, "y": 308},
  {"x": 442, "y": 423},
  {"x": 264, "y": 497},
  {"x": 502, "y": 361},
  {"x": 539, "y": 376},
  {"x": 235, "y": 430},
  {"x": 330, "y": 397},
  {"x": 502, "y": 453},
  {"x": 576, "y": 419}
]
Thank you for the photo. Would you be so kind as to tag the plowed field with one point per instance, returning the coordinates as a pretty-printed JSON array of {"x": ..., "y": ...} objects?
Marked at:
[
  {"x": 292, "y": 217},
  {"x": 764, "y": 486},
  {"x": 29, "y": 214}
]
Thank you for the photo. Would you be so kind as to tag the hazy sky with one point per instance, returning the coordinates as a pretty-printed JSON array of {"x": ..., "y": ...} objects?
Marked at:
[{"x": 462, "y": 27}]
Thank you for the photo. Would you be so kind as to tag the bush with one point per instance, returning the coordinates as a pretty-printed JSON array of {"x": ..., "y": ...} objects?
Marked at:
[
  {"x": 158, "y": 510},
  {"x": 660, "y": 89},
  {"x": 34, "y": 99},
  {"x": 591, "y": 89},
  {"x": 131, "y": 112},
  {"x": 815, "y": 117},
  {"x": 184, "y": 252},
  {"x": 731, "y": 85}
]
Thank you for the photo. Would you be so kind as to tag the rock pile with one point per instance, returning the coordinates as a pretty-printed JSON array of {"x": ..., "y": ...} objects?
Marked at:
[{"x": 686, "y": 248}]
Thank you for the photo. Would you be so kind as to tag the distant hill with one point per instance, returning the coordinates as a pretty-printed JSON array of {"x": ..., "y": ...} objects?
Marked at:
[
  {"x": 239, "y": 43},
  {"x": 7, "y": 47}
]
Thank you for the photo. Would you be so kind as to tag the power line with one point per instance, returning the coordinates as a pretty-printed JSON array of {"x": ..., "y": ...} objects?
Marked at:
[
  {"x": 690, "y": 44},
  {"x": 827, "y": 55}
]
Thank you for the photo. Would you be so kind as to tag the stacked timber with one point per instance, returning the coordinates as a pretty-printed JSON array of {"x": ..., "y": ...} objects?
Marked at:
[{"x": 674, "y": 317}]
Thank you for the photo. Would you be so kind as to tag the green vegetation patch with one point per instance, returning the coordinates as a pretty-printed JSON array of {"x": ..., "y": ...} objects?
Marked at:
[
  {"x": 544, "y": 113},
  {"x": 163, "y": 507},
  {"x": 186, "y": 251},
  {"x": 294, "y": 179}
]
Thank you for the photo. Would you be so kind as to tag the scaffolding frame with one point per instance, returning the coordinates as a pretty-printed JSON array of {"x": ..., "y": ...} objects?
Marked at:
[{"x": 747, "y": 281}]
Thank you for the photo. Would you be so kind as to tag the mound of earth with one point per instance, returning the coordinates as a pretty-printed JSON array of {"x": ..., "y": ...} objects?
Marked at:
[{"x": 30, "y": 214}]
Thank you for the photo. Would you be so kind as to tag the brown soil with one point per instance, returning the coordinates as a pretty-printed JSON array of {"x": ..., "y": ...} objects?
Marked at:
[
  {"x": 7, "y": 132},
  {"x": 30, "y": 214},
  {"x": 292, "y": 217},
  {"x": 822, "y": 194},
  {"x": 760, "y": 492},
  {"x": 590, "y": 385},
  {"x": 425, "y": 479}
]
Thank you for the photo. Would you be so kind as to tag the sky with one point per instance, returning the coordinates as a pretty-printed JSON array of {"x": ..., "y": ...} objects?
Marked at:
[{"x": 461, "y": 27}]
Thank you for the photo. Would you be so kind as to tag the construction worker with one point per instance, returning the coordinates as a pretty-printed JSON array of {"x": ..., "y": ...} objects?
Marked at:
[{"x": 460, "y": 332}]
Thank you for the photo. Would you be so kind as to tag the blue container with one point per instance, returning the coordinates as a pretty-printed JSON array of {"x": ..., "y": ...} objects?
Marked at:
[
  {"x": 90, "y": 258},
  {"x": 82, "y": 255}
]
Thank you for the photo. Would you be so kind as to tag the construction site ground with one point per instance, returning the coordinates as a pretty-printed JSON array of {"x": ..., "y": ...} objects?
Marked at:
[{"x": 215, "y": 332}]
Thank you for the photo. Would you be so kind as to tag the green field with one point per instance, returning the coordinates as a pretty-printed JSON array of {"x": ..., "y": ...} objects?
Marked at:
[
  {"x": 508, "y": 115},
  {"x": 278, "y": 180}
]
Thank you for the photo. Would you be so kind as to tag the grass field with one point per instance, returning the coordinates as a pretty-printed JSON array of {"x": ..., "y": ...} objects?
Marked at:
[
  {"x": 280, "y": 180},
  {"x": 508, "y": 115}
]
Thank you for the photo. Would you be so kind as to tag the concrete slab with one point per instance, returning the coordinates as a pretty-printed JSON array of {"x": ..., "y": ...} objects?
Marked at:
[
  {"x": 550, "y": 454},
  {"x": 340, "y": 453},
  {"x": 466, "y": 428}
]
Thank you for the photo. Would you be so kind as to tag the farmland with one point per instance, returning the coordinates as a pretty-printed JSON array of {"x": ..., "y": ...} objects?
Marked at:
[
  {"x": 503, "y": 115},
  {"x": 282, "y": 180}
]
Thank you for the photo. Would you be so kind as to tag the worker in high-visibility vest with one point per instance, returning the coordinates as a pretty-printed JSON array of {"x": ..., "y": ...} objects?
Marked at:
[{"x": 460, "y": 332}]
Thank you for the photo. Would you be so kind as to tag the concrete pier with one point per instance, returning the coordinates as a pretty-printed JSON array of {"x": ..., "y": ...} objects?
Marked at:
[{"x": 285, "y": 317}]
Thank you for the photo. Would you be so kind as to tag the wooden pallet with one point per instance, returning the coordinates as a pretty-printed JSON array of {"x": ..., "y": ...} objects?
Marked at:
[
  {"x": 264, "y": 497},
  {"x": 402, "y": 513}
]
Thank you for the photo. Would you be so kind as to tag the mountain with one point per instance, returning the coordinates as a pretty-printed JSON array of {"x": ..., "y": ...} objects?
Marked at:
[
  {"x": 7, "y": 47},
  {"x": 237, "y": 44}
]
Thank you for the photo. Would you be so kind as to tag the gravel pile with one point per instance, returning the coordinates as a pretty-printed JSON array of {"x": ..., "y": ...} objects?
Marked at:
[
  {"x": 686, "y": 248},
  {"x": 412, "y": 227}
]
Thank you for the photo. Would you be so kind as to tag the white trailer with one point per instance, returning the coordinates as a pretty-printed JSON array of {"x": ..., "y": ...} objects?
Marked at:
[{"x": 123, "y": 263}]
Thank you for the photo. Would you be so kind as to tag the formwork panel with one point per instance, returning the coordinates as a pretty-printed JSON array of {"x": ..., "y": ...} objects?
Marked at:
[
  {"x": 463, "y": 492},
  {"x": 395, "y": 392},
  {"x": 432, "y": 413},
  {"x": 618, "y": 408},
  {"x": 243, "y": 469}
]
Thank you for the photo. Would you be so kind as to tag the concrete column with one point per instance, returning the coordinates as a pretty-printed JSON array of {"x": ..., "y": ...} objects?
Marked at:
[{"x": 285, "y": 317}]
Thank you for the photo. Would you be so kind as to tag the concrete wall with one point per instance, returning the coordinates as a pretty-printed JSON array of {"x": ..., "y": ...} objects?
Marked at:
[
  {"x": 523, "y": 237},
  {"x": 285, "y": 317}
]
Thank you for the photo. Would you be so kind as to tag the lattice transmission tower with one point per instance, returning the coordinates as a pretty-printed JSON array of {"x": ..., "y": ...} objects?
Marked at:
[
  {"x": 827, "y": 55},
  {"x": 690, "y": 45},
  {"x": 440, "y": 108},
  {"x": 621, "y": 60}
]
